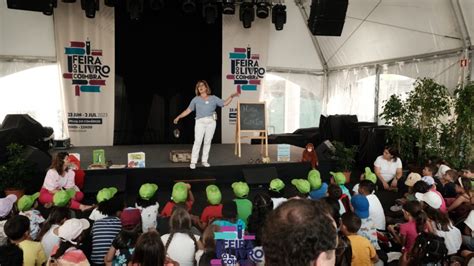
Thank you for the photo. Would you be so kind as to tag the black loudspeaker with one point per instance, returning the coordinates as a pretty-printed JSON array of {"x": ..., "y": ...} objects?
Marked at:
[
  {"x": 259, "y": 176},
  {"x": 32, "y": 5},
  {"x": 325, "y": 151},
  {"x": 327, "y": 17}
]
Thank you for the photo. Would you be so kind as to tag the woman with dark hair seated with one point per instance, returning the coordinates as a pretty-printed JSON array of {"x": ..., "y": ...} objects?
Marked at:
[{"x": 60, "y": 177}]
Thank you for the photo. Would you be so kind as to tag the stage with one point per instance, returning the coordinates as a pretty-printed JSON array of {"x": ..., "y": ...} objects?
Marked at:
[{"x": 225, "y": 169}]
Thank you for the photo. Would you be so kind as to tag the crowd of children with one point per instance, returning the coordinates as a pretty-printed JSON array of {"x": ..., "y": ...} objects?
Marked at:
[{"x": 431, "y": 224}]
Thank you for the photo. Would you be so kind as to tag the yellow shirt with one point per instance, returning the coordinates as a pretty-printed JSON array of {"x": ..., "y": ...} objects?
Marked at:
[
  {"x": 33, "y": 254},
  {"x": 362, "y": 250}
]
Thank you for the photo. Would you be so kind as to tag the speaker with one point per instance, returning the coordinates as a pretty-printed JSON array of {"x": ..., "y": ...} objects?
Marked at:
[
  {"x": 39, "y": 161},
  {"x": 32, "y": 5},
  {"x": 259, "y": 176},
  {"x": 327, "y": 17}
]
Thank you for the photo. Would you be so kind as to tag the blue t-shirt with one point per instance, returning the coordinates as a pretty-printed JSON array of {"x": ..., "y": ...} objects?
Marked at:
[{"x": 205, "y": 108}]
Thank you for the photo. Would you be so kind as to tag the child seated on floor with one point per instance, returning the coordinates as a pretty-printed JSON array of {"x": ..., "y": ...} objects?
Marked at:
[
  {"x": 367, "y": 175},
  {"x": 339, "y": 179},
  {"x": 17, "y": 229},
  {"x": 300, "y": 189},
  {"x": 148, "y": 205},
  {"x": 335, "y": 192},
  {"x": 363, "y": 252},
  {"x": 410, "y": 182},
  {"x": 244, "y": 206},
  {"x": 181, "y": 194},
  {"x": 448, "y": 185},
  {"x": 212, "y": 211},
  {"x": 27, "y": 205},
  {"x": 103, "y": 194},
  {"x": 318, "y": 188},
  {"x": 7, "y": 210},
  {"x": 276, "y": 191}
]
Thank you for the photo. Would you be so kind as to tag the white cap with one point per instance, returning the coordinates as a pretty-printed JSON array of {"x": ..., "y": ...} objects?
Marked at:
[
  {"x": 442, "y": 170},
  {"x": 72, "y": 228},
  {"x": 428, "y": 180},
  {"x": 6, "y": 204},
  {"x": 430, "y": 198}
]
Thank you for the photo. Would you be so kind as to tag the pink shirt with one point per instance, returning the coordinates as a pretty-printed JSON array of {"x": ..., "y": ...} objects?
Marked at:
[
  {"x": 54, "y": 181},
  {"x": 408, "y": 230},
  {"x": 443, "y": 208}
]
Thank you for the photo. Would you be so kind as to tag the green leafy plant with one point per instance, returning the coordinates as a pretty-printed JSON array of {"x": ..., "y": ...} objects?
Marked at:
[
  {"x": 344, "y": 156},
  {"x": 16, "y": 172},
  {"x": 417, "y": 123},
  {"x": 457, "y": 137}
]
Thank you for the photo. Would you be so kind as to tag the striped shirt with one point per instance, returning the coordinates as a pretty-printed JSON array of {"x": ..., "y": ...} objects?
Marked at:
[{"x": 104, "y": 232}]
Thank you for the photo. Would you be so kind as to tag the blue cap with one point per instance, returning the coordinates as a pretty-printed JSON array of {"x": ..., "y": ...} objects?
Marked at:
[
  {"x": 319, "y": 193},
  {"x": 361, "y": 206}
]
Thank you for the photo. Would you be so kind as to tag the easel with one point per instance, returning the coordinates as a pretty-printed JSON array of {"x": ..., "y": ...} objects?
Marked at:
[{"x": 263, "y": 134}]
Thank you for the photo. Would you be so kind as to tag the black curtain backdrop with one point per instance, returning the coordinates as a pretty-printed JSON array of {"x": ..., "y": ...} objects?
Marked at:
[{"x": 181, "y": 49}]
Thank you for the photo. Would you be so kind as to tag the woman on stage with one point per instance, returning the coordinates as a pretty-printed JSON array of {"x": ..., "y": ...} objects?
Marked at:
[
  {"x": 60, "y": 177},
  {"x": 205, "y": 105}
]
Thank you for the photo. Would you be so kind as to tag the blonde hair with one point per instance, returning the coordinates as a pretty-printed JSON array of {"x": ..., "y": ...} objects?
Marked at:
[{"x": 208, "y": 89}]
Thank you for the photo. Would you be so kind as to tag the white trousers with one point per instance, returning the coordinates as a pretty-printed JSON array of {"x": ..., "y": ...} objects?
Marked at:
[{"x": 203, "y": 129}]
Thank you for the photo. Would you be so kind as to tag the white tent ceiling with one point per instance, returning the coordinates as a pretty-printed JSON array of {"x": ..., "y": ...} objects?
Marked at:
[{"x": 377, "y": 30}]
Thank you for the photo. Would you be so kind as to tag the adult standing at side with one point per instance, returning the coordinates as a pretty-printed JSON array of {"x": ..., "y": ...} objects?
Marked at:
[
  {"x": 388, "y": 168},
  {"x": 60, "y": 177},
  {"x": 205, "y": 104}
]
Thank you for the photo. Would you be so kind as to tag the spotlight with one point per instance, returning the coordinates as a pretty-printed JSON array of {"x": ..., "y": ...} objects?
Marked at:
[
  {"x": 110, "y": 3},
  {"x": 247, "y": 13},
  {"x": 188, "y": 6},
  {"x": 48, "y": 11},
  {"x": 279, "y": 16},
  {"x": 263, "y": 8},
  {"x": 209, "y": 12},
  {"x": 157, "y": 4},
  {"x": 228, "y": 7},
  {"x": 90, "y": 6},
  {"x": 135, "y": 8}
]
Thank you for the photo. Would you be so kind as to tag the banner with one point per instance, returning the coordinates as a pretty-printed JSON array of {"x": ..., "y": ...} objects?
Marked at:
[
  {"x": 244, "y": 61},
  {"x": 86, "y": 55}
]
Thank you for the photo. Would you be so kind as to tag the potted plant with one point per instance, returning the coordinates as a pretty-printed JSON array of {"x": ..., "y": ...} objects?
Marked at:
[
  {"x": 16, "y": 173},
  {"x": 417, "y": 122},
  {"x": 345, "y": 158}
]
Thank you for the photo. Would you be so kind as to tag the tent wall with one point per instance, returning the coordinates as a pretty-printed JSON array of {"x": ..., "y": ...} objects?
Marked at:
[{"x": 25, "y": 33}]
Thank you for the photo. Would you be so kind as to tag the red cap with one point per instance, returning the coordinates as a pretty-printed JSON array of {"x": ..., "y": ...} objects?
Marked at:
[{"x": 130, "y": 217}]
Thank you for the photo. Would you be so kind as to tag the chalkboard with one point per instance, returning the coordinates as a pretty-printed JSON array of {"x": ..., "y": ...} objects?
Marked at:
[{"x": 252, "y": 116}]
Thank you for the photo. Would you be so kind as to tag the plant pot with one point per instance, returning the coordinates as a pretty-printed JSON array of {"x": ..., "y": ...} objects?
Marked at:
[
  {"x": 16, "y": 191},
  {"x": 347, "y": 174}
]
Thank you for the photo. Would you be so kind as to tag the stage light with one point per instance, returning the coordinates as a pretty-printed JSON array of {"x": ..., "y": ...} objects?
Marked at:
[
  {"x": 157, "y": 4},
  {"x": 228, "y": 7},
  {"x": 110, "y": 3},
  {"x": 263, "y": 8},
  {"x": 90, "y": 6},
  {"x": 209, "y": 12},
  {"x": 247, "y": 13},
  {"x": 188, "y": 6},
  {"x": 279, "y": 16},
  {"x": 48, "y": 11},
  {"x": 135, "y": 8}
]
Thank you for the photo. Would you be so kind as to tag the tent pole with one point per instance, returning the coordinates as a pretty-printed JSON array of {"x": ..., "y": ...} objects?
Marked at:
[{"x": 377, "y": 90}]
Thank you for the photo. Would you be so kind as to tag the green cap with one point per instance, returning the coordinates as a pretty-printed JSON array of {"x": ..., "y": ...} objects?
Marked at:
[
  {"x": 277, "y": 185},
  {"x": 214, "y": 195},
  {"x": 62, "y": 197},
  {"x": 339, "y": 178},
  {"x": 180, "y": 192},
  {"x": 302, "y": 185},
  {"x": 147, "y": 191},
  {"x": 27, "y": 201},
  {"x": 241, "y": 189},
  {"x": 314, "y": 178},
  {"x": 106, "y": 194},
  {"x": 370, "y": 176}
]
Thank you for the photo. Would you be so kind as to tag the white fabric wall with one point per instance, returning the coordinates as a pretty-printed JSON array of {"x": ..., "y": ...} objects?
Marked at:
[
  {"x": 351, "y": 91},
  {"x": 25, "y": 33},
  {"x": 292, "y": 47}
]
